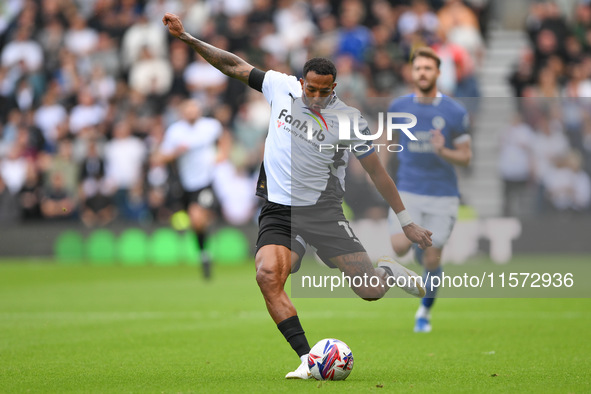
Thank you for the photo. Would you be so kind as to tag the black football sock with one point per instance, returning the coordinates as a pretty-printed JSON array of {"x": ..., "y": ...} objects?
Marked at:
[
  {"x": 294, "y": 334},
  {"x": 204, "y": 256}
]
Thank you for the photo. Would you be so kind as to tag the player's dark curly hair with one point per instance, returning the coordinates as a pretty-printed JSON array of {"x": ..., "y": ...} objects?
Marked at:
[{"x": 320, "y": 66}]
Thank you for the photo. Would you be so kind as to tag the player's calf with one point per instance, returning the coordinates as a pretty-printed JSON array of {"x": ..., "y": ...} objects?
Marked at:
[{"x": 363, "y": 278}]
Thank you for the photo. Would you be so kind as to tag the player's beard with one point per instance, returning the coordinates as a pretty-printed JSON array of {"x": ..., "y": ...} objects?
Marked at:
[{"x": 428, "y": 88}]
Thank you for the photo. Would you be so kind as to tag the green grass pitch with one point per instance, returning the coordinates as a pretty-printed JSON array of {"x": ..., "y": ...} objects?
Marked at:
[{"x": 163, "y": 330}]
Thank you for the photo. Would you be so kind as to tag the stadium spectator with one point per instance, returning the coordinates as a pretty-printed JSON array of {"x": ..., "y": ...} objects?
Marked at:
[
  {"x": 567, "y": 186},
  {"x": 106, "y": 56},
  {"x": 352, "y": 85},
  {"x": 57, "y": 201},
  {"x": 578, "y": 83},
  {"x": 418, "y": 19},
  {"x": 103, "y": 85},
  {"x": 142, "y": 34},
  {"x": 516, "y": 167},
  {"x": 49, "y": 116},
  {"x": 154, "y": 9},
  {"x": 199, "y": 17},
  {"x": 150, "y": 75},
  {"x": 63, "y": 163},
  {"x": 124, "y": 156},
  {"x": 29, "y": 197},
  {"x": 9, "y": 206},
  {"x": 179, "y": 59},
  {"x": 522, "y": 75},
  {"x": 23, "y": 50},
  {"x": 86, "y": 113},
  {"x": 455, "y": 14},
  {"x": 547, "y": 85},
  {"x": 354, "y": 38},
  {"x": 80, "y": 39},
  {"x": 96, "y": 206},
  {"x": 326, "y": 40},
  {"x": 51, "y": 38},
  {"x": 457, "y": 69},
  {"x": 13, "y": 167},
  {"x": 205, "y": 82}
]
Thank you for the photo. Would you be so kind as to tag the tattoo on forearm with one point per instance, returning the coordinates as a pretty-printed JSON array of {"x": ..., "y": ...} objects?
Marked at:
[{"x": 228, "y": 63}]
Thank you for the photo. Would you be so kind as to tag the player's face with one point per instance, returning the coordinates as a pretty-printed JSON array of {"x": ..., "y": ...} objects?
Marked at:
[
  {"x": 191, "y": 111},
  {"x": 317, "y": 89},
  {"x": 425, "y": 74}
]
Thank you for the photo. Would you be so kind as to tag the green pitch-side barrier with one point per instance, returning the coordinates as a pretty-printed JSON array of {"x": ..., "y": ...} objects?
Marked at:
[
  {"x": 132, "y": 247},
  {"x": 229, "y": 247},
  {"x": 189, "y": 253},
  {"x": 69, "y": 248},
  {"x": 164, "y": 247},
  {"x": 100, "y": 248}
]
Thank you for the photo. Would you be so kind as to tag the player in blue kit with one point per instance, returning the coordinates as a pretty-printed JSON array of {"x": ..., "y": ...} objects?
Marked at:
[{"x": 426, "y": 177}]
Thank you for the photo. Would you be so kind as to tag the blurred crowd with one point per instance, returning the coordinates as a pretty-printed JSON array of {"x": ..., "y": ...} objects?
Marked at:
[
  {"x": 89, "y": 87},
  {"x": 545, "y": 156}
]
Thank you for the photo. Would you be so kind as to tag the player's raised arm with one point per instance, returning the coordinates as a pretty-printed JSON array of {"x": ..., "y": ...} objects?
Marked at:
[
  {"x": 388, "y": 190},
  {"x": 228, "y": 63}
]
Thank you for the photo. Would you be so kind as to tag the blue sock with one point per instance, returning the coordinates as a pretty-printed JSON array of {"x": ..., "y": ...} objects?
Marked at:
[
  {"x": 429, "y": 298},
  {"x": 418, "y": 253}
]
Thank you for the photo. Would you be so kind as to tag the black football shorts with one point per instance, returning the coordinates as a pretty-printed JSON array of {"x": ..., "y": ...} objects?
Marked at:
[{"x": 323, "y": 226}]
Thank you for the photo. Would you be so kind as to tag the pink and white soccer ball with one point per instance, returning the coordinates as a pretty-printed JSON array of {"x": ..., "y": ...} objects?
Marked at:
[{"x": 330, "y": 359}]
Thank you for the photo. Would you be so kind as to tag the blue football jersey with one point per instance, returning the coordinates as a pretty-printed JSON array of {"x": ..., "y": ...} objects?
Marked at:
[{"x": 420, "y": 170}]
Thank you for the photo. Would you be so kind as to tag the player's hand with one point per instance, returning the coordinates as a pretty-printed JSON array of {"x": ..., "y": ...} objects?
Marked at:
[
  {"x": 181, "y": 150},
  {"x": 174, "y": 24},
  {"x": 437, "y": 141},
  {"x": 418, "y": 235}
]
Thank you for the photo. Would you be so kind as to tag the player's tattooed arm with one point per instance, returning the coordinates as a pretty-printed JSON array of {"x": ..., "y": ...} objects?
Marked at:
[{"x": 228, "y": 63}]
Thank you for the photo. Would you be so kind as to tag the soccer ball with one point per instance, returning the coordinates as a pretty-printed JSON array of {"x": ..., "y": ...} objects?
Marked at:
[{"x": 330, "y": 359}]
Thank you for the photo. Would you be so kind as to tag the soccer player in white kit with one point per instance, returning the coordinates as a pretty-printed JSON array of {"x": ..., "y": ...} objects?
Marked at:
[
  {"x": 192, "y": 143},
  {"x": 303, "y": 187},
  {"x": 426, "y": 176}
]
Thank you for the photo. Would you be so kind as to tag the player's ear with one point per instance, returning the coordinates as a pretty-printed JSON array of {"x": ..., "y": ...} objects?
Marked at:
[
  {"x": 302, "y": 83},
  {"x": 334, "y": 85}
]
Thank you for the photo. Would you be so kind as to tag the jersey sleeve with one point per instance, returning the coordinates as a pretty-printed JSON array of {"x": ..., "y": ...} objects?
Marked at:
[
  {"x": 393, "y": 106},
  {"x": 276, "y": 83},
  {"x": 216, "y": 129},
  {"x": 361, "y": 147},
  {"x": 256, "y": 78},
  {"x": 460, "y": 133},
  {"x": 169, "y": 143}
]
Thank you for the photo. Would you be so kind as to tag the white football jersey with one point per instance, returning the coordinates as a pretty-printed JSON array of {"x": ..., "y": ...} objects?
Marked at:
[
  {"x": 302, "y": 167},
  {"x": 197, "y": 165}
]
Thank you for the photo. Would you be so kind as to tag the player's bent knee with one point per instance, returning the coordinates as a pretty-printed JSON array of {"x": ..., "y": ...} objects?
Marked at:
[
  {"x": 432, "y": 258},
  {"x": 400, "y": 250},
  {"x": 268, "y": 278},
  {"x": 400, "y": 244}
]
